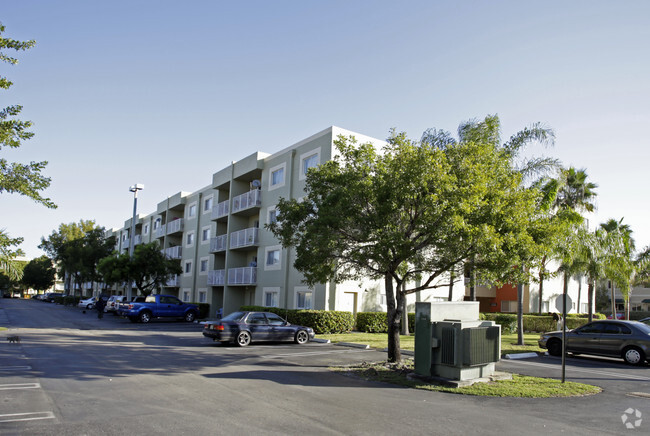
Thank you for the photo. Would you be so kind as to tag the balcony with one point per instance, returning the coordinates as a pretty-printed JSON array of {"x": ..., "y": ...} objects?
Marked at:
[
  {"x": 220, "y": 210},
  {"x": 174, "y": 282},
  {"x": 174, "y": 252},
  {"x": 159, "y": 232},
  {"x": 218, "y": 244},
  {"x": 247, "y": 201},
  {"x": 175, "y": 226},
  {"x": 137, "y": 240},
  {"x": 244, "y": 238},
  {"x": 217, "y": 277},
  {"x": 125, "y": 242},
  {"x": 242, "y": 276}
]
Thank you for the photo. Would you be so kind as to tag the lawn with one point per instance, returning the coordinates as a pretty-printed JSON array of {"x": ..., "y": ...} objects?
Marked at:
[{"x": 380, "y": 341}]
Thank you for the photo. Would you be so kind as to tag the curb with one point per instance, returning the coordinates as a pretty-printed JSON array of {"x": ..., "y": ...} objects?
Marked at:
[
  {"x": 350, "y": 344},
  {"x": 520, "y": 356}
]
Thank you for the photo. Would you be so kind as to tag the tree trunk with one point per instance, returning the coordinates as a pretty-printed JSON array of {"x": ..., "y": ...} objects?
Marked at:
[
  {"x": 590, "y": 297},
  {"x": 579, "y": 291},
  {"x": 613, "y": 297},
  {"x": 392, "y": 318},
  {"x": 451, "y": 285},
  {"x": 520, "y": 314},
  {"x": 472, "y": 281},
  {"x": 541, "y": 285},
  {"x": 405, "y": 313}
]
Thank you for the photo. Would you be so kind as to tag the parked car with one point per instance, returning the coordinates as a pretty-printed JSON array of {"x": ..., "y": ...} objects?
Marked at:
[
  {"x": 629, "y": 340},
  {"x": 619, "y": 315},
  {"x": 51, "y": 296},
  {"x": 112, "y": 303},
  {"x": 159, "y": 306},
  {"x": 242, "y": 328},
  {"x": 122, "y": 305},
  {"x": 88, "y": 303},
  {"x": 645, "y": 320}
]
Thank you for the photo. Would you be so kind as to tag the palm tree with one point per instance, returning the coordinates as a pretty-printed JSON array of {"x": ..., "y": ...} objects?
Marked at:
[
  {"x": 619, "y": 265},
  {"x": 592, "y": 250},
  {"x": 575, "y": 191},
  {"x": 8, "y": 263}
]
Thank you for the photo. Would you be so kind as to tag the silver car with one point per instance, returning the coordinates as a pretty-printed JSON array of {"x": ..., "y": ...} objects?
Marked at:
[{"x": 629, "y": 340}]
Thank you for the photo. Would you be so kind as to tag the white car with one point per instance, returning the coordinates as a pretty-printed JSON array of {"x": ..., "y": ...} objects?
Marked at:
[
  {"x": 88, "y": 303},
  {"x": 113, "y": 302}
]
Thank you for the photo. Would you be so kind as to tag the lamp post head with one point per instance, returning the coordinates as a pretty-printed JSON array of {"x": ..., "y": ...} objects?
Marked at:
[{"x": 136, "y": 187}]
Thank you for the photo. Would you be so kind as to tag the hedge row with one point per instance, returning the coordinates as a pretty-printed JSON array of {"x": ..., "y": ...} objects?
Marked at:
[
  {"x": 322, "y": 321},
  {"x": 204, "y": 310},
  {"x": 376, "y": 322},
  {"x": 536, "y": 323}
]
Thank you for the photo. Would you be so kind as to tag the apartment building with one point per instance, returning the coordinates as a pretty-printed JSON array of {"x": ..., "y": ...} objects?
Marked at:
[{"x": 228, "y": 258}]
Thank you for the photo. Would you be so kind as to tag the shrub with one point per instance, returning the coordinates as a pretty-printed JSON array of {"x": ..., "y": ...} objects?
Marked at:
[
  {"x": 376, "y": 322},
  {"x": 322, "y": 321},
  {"x": 68, "y": 300}
]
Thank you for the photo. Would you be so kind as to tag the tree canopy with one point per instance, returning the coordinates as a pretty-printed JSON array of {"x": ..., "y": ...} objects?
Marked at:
[
  {"x": 39, "y": 274},
  {"x": 149, "y": 268},
  {"x": 409, "y": 213}
]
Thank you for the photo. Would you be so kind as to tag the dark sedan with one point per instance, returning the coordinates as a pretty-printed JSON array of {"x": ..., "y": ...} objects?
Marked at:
[
  {"x": 629, "y": 340},
  {"x": 242, "y": 328}
]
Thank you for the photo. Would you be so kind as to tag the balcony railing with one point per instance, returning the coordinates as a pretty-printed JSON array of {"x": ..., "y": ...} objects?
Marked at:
[
  {"x": 242, "y": 276},
  {"x": 174, "y": 282},
  {"x": 174, "y": 252},
  {"x": 217, "y": 277},
  {"x": 220, "y": 210},
  {"x": 218, "y": 244},
  {"x": 244, "y": 238},
  {"x": 247, "y": 200},
  {"x": 160, "y": 231},
  {"x": 137, "y": 240},
  {"x": 175, "y": 226}
]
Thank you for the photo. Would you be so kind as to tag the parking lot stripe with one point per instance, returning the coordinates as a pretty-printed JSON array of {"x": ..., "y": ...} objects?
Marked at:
[
  {"x": 590, "y": 371},
  {"x": 20, "y": 386},
  {"x": 15, "y": 368},
  {"x": 32, "y": 416}
]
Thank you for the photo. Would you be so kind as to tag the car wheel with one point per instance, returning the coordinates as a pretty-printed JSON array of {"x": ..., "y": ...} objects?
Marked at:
[
  {"x": 145, "y": 317},
  {"x": 90, "y": 306},
  {"x": 243, "y": 338},
  {"x": 190, "y": 316},
  {"x": 554, "y": 347},
  {"x": 302, "y": 337},
  {"x": 633, "y": 356}
]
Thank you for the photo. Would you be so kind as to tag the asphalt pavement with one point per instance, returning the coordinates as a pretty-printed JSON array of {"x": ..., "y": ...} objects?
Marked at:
[{"x": 73, "y": 374}]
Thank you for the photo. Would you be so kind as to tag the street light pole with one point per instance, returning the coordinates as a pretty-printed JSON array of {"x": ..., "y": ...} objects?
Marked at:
[{"x": 135, "y": 188}]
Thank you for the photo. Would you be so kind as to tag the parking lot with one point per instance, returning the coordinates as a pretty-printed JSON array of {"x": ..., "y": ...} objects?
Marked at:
[{"x": 75, "y": 374}]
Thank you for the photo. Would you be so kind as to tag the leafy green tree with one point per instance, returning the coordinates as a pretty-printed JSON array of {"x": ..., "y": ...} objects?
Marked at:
[
  {"x": 22, "y": 179},
  {"x": 592, "y": 252},
  {"x": 39, "y": 274},
  {"x": 149, "y": 268},
  {"x": 412, "y": 209},
  {"x": 77, "y": 249}
]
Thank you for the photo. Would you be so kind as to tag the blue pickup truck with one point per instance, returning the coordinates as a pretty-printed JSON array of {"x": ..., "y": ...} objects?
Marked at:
[{"x": 158, "y": 306}]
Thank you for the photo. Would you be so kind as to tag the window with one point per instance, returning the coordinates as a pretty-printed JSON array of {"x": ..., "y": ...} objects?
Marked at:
[
  {"x": 303, "y": 299},
  {"x": 205, "y": 235},
  {"x": 203, "y": 296},
  {"x": 274, "y": 319},
  {"x": 186, "y": 295},
  {"x": 207, "y": 205},
  {"x": 191, "y": 211},
  {"x": 156, "y": 224},
  {"x": 509, "y": 306},
  {"x": 272, "y": 297},
  {"x": 204, "y": 265},
  {"x": 189, "y": 239},
  {"x": 256, "y": 318},
  {"x": 272, "y": 258},
  {"x": 276, "y": 176},
  {"x": 146, "y": 229},
  {"x": 308, "y": 160},
  {"x": 188, "y": 267}
]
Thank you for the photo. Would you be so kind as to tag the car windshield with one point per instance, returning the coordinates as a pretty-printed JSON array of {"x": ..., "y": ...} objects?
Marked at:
[{"x": 235, "y": 316}]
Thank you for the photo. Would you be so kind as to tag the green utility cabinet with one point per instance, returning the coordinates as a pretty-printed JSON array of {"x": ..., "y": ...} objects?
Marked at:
[{"x": 453, "y": 343}]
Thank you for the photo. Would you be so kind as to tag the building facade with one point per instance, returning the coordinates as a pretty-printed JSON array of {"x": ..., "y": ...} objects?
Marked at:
[{"x": 227, "y": 256}]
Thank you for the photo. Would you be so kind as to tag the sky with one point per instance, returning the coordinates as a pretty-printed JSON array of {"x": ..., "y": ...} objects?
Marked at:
[{"x": 166, "y": 93}]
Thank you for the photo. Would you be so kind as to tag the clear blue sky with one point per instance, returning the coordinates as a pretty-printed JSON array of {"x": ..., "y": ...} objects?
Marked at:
[{"x": 166, "y": 93}]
